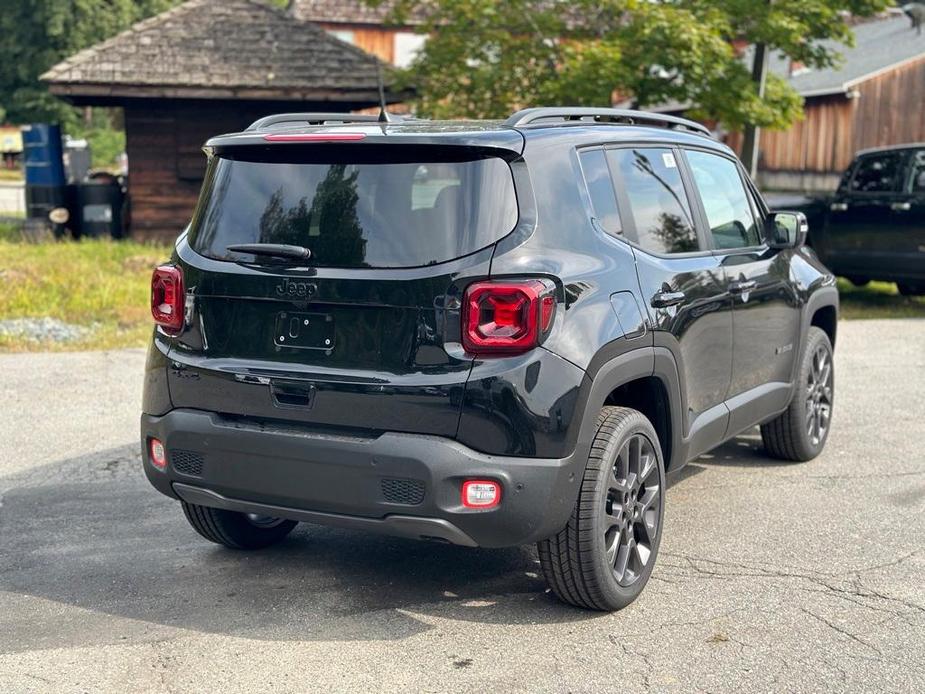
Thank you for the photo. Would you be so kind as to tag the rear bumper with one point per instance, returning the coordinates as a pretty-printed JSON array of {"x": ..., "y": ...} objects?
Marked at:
[{"x": 396, "y": 483}]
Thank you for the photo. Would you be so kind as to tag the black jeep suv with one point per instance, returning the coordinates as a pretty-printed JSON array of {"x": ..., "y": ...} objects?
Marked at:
[{"x": 483, "y": 333}]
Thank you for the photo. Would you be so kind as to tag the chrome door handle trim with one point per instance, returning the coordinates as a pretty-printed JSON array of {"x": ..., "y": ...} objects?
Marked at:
[
  {"x": 901, "y": 206},
  {"x": 838, "y": 206}
]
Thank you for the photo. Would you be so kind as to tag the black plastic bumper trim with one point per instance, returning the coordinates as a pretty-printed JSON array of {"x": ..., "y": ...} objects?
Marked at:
[{"x": 403, "y": 526}]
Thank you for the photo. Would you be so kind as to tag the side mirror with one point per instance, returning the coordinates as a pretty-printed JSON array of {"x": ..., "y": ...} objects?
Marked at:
[{"x": 786, "y": 230}]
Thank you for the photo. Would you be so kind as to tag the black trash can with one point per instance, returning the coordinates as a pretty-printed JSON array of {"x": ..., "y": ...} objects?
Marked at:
[{"x": 100, "y": 208}]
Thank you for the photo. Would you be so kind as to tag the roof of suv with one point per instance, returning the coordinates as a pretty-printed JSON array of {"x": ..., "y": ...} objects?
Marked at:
[{"x": 507, "y": 134}]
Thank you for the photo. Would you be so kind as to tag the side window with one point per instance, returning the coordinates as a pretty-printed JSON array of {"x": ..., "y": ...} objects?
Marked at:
[
  {"x": 877, "y": 173},
  {"x": 725, "y": 201},
  {"x": 600, "y": 187},
  {"x": 658, "y": 204},
  {"x": 918, "y": 172}
]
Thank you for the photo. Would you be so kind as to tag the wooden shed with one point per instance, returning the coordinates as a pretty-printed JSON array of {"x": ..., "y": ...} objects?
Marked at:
[{"x": 203, "y": 68}]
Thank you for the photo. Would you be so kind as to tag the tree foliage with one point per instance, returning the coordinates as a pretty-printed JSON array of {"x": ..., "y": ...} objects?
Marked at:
[
  {"x": 36, "y": 34},
  {"x": 486, "y": 57}
]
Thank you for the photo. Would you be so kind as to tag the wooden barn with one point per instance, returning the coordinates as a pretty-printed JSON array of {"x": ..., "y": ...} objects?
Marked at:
[
  {"x": 364, "y": 26},
  {"x": 203, "y": 68},
  {"x": 874, "y": 98}
]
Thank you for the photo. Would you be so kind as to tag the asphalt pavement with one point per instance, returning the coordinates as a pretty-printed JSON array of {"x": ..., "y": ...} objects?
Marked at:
[{"x": 771, "y": 577}]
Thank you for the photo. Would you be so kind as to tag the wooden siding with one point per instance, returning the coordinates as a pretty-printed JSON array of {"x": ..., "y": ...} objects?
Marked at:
[
  {"x": 888, "y": 111},
  {"x": 378, "y": 40}
]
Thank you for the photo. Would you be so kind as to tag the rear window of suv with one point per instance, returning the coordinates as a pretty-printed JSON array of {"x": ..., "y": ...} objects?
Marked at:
[{"x": 371, "y": 208}]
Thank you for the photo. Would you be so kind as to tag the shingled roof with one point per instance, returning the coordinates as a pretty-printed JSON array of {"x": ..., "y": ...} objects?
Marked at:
[
  {"x": 348, "y": 12},
  {"x": 221, "y": 49}
]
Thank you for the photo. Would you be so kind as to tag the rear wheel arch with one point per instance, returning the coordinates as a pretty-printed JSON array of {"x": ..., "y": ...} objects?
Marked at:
[{"x": 645, "y": 379}]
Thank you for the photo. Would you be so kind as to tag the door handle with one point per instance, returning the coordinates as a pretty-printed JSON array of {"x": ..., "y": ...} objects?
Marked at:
[
  {"x": 666, "y": 299},
  {"x": 742, "y": 286},
  {"x": 838, "y": 206},
  {"x": 901, "y": 206}
]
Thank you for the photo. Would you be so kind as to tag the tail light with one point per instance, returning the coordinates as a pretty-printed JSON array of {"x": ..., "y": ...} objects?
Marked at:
[
  {"x": 167, "y": 298},
  {"x": 507, "y": 317}
]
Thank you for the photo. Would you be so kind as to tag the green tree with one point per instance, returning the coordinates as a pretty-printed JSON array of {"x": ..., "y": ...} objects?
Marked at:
[
  {"x": 36, "y": 34},
  {"x": 486, "y": 57}
]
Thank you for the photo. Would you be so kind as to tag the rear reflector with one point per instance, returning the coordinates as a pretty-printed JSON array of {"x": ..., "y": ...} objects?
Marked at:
[
  {"x": 481, "y": 493},
  {"x": 167, "y": 301},
  {"x": 315, "y": 137},
  {"x": 507, "y": 317},
  {"x": 158, "y": 454}
]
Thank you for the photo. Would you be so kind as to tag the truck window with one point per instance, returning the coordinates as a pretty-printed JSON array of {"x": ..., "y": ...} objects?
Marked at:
[{"x": 878, "y": 173}]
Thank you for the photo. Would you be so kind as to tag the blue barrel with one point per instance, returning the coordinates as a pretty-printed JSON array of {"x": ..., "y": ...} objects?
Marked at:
[{"x": 42, "y": 154}]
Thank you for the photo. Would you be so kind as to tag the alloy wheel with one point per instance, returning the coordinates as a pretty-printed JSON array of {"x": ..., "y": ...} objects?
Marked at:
[
  {"x": 631, "y": 510},
  {"x": 819, "y": 395}
]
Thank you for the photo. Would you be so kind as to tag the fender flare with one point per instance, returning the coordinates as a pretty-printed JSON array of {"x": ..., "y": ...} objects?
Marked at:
[
  {"x": 822, "y": 297},
  {"x": 642, "y": 362}
]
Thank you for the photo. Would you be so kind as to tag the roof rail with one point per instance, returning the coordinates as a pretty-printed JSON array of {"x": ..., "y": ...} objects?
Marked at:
[
  {"x": 572, "y": 115},
  {"x": 316, "y": 119}
]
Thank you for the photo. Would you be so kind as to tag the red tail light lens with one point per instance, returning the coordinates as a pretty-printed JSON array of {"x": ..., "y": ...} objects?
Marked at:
[
  {"x": 167, "y": 298},
  {"x": 506, "y": 317}
]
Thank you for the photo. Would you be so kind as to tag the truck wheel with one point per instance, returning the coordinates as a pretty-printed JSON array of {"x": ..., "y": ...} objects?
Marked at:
[
  {"x": 605, "y": 555},
  {"x": 236, "y": 530},
  {"x": 858, "y": 281},
  {"x": 909, "y": 289},
  {"x": 799, "y": 434}
]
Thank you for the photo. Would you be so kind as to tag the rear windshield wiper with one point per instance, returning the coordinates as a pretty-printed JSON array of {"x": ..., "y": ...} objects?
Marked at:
[{"x": 276, "y": 250}]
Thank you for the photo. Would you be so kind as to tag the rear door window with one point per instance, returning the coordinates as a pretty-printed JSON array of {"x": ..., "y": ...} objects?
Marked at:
[
  {"x": 352, "y": 209},
  {"x": 658, "y": 204}
]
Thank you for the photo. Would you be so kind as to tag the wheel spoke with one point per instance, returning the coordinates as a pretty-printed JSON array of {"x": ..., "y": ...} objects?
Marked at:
[
  {"x": 611, "y": 518},
  {"x": 612, "y": 545},
  {"x": 649, "y": 497},
  {"x": 647, "y": 466},
  {"x": 642, "y": 554},
  {"x": 623, "y": 559}
]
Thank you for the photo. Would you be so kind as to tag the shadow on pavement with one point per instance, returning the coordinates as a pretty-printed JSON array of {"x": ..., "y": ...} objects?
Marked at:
[{"x": 89, "y": 533}]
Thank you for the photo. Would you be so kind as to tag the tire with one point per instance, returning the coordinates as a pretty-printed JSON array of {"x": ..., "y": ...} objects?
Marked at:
[
  {"x": 236, "y": 530},
  {"x": 800, "y": 433},
  {"x": 582, "y": 563},
  {"x": 858, "y": 281},
  {"x": 908, "y": 289}
]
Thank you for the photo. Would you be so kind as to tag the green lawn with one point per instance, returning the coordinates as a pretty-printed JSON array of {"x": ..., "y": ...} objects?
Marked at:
[
  {"x": 878, "y": 300},
  {"x": 104, "y": 285}
]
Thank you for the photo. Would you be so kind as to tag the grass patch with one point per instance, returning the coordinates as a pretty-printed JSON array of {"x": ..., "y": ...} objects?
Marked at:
[
  {"x": 100, "y": 284},
  {"x": 10, "y": 231},
  {"x": 878, "y": 300}
]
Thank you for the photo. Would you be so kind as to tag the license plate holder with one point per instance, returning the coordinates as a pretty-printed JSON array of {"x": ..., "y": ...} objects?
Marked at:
[{"x": 304, "y": 331}]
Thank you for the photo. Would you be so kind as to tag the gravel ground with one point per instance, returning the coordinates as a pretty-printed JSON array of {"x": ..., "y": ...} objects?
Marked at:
[
  {"x": 772, "y": 577},
  {"x": 42, "y": 330}
]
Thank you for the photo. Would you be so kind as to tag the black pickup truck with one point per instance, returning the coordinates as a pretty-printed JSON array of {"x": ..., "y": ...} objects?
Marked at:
[{"x": 873, "y": 226}]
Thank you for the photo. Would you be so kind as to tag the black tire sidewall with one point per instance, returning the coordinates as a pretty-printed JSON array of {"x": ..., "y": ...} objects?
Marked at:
[{"x": 616, "y": 595}]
